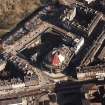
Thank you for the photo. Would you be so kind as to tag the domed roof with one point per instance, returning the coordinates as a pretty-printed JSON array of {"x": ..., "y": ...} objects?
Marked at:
[{"x": 57, "y": 59}]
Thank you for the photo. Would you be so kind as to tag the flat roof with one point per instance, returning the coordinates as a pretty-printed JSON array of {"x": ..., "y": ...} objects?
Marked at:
[{"x": 101, "y": 56}]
